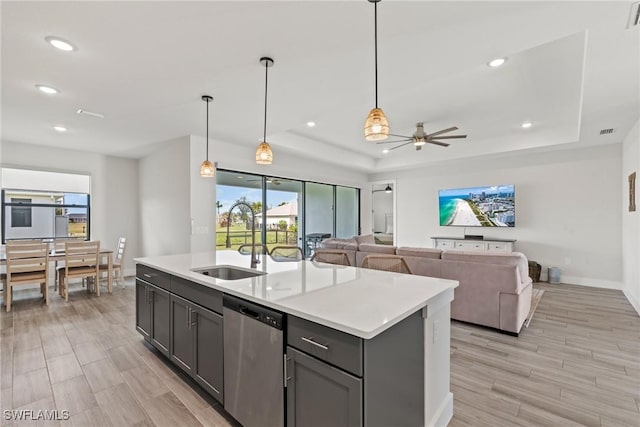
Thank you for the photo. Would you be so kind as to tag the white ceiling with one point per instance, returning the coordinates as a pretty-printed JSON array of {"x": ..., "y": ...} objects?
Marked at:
[{"x": 573, "y": 69}]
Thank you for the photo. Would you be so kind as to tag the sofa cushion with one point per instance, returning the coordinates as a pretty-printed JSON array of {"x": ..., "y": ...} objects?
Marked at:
[
  {"x": 513, "y": 258},
  {"x": 419, "y": 252},
  {"x": 378, "y": 249},
  {"x": 344, "y": 244},
  {"x": 366, "y": 238}
]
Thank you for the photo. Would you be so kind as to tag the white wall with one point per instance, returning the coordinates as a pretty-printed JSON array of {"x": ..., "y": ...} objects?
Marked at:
[
  {"x": 631, "y": 220},
  {"x": 165, "y": 199},
  {"x": 114, "y": 212},
  {"x": 42, "y": 219},
  {"x": 567, "y": 208}
]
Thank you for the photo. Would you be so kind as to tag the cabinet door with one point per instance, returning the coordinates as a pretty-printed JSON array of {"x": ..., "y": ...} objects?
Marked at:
[
  {"x": 320, "y": 395},
  {"x": 143, "y": 309},
  {"x": 207, "y": 368},
  {"x": 160, "y": 319},
  {"x": 181, "y": 348}
]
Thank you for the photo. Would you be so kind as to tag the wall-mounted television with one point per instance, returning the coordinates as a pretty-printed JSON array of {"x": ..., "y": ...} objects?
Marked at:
[{"x": 491, "y": 206}]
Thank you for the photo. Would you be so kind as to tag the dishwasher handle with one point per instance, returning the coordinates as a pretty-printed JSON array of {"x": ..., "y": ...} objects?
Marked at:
[
  {"x": 248, "y": 312},
  {"x": 253, "y": 311}
]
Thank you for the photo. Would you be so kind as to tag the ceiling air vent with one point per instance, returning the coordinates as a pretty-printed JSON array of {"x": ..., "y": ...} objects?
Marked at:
[
  {"x": 634, "y": 15},
  {"x": 606, "y": 131}
]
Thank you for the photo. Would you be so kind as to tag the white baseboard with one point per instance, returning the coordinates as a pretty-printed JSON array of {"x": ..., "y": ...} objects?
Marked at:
[
  {"x": 444, "y": 413},
  {"x": 592, "y": 283},
  {"x": 632, "y": 300}
]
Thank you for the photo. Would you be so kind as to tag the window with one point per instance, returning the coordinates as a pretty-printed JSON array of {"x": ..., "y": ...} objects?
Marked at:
[
  {"x": 287, "y": 211},
  {"x": 32, "y": 214},
  {"x": 20, "y": 215}
]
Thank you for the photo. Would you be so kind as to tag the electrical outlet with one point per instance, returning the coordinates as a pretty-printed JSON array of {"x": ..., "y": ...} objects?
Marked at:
[{"x": 436, "y": 331}]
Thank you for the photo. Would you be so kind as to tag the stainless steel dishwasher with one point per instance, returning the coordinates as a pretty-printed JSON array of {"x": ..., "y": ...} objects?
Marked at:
[{"x": 253, "y": 363}]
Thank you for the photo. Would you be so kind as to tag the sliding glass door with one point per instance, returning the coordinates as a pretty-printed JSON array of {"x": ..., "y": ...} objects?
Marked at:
[
  {"x": 285, "y": 211},
  {"x": 234, "y": 230},
  {"x": 283, "y": 216}
]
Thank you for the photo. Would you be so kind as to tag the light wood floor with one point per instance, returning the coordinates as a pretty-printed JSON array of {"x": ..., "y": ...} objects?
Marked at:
[{"x": 577, "y": 364}]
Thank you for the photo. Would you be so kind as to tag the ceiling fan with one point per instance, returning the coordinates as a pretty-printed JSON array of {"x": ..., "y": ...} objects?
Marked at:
[
  {"x": 420, "y": 138},
  {"x": 274, "y": 181}
]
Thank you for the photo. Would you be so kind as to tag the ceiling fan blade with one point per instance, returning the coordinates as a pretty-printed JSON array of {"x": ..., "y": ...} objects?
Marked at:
[
  {"x": 443, "y": 144},
  {"x": 401, "y": 145},
  {"x": 451, "y": 137},
  {"x": 442, "y": 131},
  {"x": 400, "y": 136},
  {"x": 395, "y": 140}
]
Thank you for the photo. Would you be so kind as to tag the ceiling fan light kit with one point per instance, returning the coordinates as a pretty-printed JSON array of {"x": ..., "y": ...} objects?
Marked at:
[
  {"x": 207, "y": 170},
  {"x": 376, "y": 127},
  {"x": 264, "y": 154}
]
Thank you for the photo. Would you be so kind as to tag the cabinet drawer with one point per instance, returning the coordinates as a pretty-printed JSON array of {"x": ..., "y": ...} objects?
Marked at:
[
  {"x": 444, "y": 244},
  {"x": 470, "y": 246},
  {"x": 199, "y": 294},
  {"x": 151, "y": 275},
  {"x": 338, "y": 348},
  {"x": 498, "y": 247}
]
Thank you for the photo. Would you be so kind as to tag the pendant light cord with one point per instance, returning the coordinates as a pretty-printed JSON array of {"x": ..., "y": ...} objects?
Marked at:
[
  {"x": 266, "y": 79},
  {"x": 207, "y": 101},
  {"x": 375, "y": 43}
]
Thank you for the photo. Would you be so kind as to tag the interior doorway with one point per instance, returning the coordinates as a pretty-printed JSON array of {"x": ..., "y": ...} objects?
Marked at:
[{"x": 383, "y": 212}]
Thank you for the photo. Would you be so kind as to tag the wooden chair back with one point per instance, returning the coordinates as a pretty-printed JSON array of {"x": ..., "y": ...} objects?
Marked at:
[
  {"x": 81, "y": 259},
  {"x": 394, "y": 263},
  {"x": 331, "y": 256},
  {"x": 118, "y": 260},
  {"x": 286, "y": 253},
  {"x": 26, "y": 261}
]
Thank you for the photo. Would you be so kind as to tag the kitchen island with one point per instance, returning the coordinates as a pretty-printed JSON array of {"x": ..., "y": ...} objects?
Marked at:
[{"x": 358, "y": 347}]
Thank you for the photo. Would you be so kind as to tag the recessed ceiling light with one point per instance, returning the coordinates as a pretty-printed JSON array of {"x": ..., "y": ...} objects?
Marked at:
[
  {"x": 47, "y": 89},
  {"x": 497, "y": 62},
  {"x": 61, "y": 44},
  {"x": 239, "y": 176},
  {"x": 60, "y": 128},
  {"x": 311, "y": 124},
  {"x": 385, "y": 151},
  {"x": 526, "y": 125}
]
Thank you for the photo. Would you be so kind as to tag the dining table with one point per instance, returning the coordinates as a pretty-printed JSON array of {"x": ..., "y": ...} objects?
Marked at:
[{"x": 58, "y": 255}]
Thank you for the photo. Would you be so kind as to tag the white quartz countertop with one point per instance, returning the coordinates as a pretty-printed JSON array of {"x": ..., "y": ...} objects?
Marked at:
[{"x": 358, "y": 301}]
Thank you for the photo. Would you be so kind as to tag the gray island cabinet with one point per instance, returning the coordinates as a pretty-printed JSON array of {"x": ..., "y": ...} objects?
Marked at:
[{"x": 361, "y": 347}]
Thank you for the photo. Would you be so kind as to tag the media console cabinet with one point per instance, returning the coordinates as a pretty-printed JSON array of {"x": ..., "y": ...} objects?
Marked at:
[{"x": 479, "y": 245}]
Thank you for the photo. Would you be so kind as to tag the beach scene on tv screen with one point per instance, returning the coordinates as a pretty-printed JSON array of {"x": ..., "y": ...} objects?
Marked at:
[{"x": 478, "y": 206}]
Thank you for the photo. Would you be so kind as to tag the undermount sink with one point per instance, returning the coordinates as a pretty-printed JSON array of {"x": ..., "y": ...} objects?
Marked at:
[{"x": 226, "y": 272}]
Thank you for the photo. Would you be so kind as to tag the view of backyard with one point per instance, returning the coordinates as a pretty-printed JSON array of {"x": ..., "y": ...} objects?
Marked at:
[{"x": 240, "y": 235}]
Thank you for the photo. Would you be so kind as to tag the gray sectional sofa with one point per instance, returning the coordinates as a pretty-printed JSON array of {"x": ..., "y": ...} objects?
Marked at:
[{"x": 495, "y": 289}]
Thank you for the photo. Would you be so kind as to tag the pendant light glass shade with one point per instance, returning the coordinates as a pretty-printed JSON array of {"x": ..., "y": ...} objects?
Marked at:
[
  {"x": 207, "y": 170},
  {"x": 264, "y": 155},
  {"x": 376, "y": 127}
]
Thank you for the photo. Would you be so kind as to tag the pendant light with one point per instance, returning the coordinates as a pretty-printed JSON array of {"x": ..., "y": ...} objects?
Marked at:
[
  {"x": 376, "y": 127},
  {"x": 207, "y": 170},
  {"x": 264, "y": 155}
]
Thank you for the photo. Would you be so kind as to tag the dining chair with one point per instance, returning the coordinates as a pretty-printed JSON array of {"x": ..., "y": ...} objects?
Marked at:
[
  {"x": 117, "y": 265},
  {"x": 260, "y": 249},
  {"x": 80, "y": 262},
  {"x": 286, "y": 253},
  {"x": 394, "y": 263},
  {"x": 331, "y": 256},
  {"x": 27, "y": 263}
]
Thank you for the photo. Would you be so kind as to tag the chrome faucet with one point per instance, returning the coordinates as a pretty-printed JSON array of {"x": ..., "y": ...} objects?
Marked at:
[{"x": 254, "y": 256}]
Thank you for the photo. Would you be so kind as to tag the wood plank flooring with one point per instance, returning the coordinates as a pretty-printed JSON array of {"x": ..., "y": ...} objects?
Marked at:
[{"x": 577, "y": 364}]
